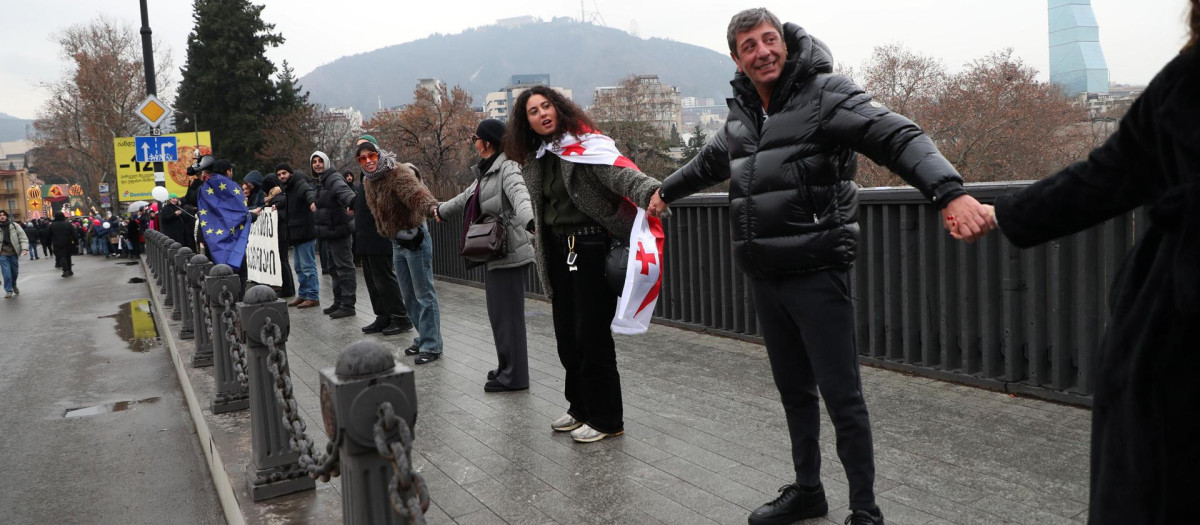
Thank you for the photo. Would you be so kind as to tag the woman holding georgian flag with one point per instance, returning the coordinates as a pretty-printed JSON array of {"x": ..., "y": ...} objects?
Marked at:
[{"x": 583, "y": 193}]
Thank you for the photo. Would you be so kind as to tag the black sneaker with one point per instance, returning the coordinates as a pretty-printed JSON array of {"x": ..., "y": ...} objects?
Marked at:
[
  {"x": 426, "y": 357},
  {"x": 16, "y": 291},
  {"x": 412, "y": 350},
  {"x": 792, "y": 505},
  {"x": 344, "y": 312},
  {"x": 332, "y": 308},
  {"x": 862, "y": 517},
  {"x": 398, "y": 327},
  {"x": 492, "y": 374}
]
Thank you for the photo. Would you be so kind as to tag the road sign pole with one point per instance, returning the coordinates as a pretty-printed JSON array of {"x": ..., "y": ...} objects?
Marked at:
[{"x": 160, "y": 178}]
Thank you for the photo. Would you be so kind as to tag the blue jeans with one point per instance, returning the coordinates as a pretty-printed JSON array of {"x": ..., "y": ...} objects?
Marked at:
[
  {"x": 414, "y": 272},
  {"x": 304, "y": 258},
  {"x": 33, "y": 246},
  {"x": 8, "y": 267}
]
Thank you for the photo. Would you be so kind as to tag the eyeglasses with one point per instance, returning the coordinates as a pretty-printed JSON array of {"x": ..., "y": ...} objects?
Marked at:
[
  {"x": 474, "y": 138},
  {"x": 371, "y": 156}
]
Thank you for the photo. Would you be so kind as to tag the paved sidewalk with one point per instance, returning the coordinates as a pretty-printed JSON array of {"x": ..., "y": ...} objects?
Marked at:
[{"x": 705, "y": 435}]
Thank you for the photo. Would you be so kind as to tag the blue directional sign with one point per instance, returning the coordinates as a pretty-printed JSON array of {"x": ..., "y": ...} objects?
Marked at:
[{"x": 155, "y": 149}]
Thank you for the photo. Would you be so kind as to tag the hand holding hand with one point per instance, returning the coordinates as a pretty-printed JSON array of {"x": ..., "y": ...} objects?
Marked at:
[
  {"x": 966, "y": 219},
  {"x": 313, "y": 207},
  {"x": 657, "y": 205},
  {"x": 434, "y": 213}
]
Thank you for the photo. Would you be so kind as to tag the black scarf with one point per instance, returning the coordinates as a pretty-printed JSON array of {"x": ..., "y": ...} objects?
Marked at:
[{"x": 7, "y": 234}]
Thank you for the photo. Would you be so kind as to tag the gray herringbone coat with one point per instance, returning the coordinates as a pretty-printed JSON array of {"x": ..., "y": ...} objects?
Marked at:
[
  {"x": 501, "y": 192},
  {"x": 598, "y": 191}
]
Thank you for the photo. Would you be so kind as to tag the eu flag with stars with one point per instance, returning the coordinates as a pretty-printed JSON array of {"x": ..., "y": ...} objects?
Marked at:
[{"x": 224, "y": 220}]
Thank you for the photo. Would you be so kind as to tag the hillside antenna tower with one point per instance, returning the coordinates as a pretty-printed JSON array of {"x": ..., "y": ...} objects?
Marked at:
[{"x": 594, "y": 16}]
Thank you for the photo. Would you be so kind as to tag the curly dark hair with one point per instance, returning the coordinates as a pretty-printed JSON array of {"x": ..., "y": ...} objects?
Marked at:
[
  {"x": 1194, "y": 26},
  {"x": 520, "y": 140}
]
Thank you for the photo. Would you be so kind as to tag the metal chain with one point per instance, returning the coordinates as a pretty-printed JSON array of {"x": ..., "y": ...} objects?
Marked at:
[
  {"x": 319, "y": 466},
  {"x": 208, "y": 327},
  {"x": 228, "y": 319},
  {"x": 406, "y": 489}
]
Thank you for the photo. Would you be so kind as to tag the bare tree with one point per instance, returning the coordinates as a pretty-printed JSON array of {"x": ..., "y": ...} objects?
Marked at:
[
  {"x": 432, "y": 132},
  {"x": 993, "y": 121},
  {"x": 640, "y": 115},
  {"x": 95, "y": 101}
]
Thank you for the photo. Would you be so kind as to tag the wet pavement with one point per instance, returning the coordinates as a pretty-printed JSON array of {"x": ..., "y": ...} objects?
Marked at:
[
  {"x": 705, "y": 441},
  {"x": 95, "y": 426}
]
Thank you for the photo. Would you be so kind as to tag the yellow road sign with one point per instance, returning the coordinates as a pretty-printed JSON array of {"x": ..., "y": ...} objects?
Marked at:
[{"x": 153, "y": 111}]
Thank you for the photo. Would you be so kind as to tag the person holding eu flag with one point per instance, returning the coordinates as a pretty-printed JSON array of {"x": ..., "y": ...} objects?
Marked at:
[{"x": 223, "y": 218}]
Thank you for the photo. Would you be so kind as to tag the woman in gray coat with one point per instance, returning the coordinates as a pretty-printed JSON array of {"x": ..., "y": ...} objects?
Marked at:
[{"x": 500, "y": 190}]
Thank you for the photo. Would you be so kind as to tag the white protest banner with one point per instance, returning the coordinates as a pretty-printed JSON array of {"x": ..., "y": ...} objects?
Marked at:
[{"x": 262, "y": 252}]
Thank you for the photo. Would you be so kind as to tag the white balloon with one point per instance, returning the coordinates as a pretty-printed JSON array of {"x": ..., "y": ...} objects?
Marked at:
[
  {"x": 106, "y": 225},
  {"x": 160, "y": 193}
]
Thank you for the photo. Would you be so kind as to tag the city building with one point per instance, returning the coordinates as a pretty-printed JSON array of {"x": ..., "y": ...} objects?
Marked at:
[
  {"x": 352, "y": 116},
  {"x": 12, "y": 154},
  {"x": 517, "y": 21},
  {"x": 1076, "y": 59},
  {"x": 642, "y": 98},
  {"x": 497, "y": 103},
  {"x": 13, "y": 184},
  {"x": 432, "y": 85}
]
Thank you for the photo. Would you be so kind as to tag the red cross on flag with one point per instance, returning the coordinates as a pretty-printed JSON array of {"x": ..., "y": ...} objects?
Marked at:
[
  {"x": 588, "y": 147},
  {"x": 643, "y": 276}
]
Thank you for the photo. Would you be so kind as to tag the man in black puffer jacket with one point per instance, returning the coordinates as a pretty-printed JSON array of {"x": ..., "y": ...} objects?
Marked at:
[
  {"x": 301, "y": 233},
  {"x": 788, "y": 150},
  {"x": 336, "y": 227}
]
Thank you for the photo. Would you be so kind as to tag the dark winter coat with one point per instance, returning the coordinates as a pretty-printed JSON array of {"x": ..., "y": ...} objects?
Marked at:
[
  {"x": 300, "y": 220},
  {"x": 34, "y": 234},
  {"x": 175, "y": 226},
  {"x": 598, "y": 191},
  {"x": 278, "y": 199},
  {"x": 1147, "y": 397},
  {"x": 44, "y": 232},
  {"x": 793, "y": 203},
  {"x": 333, "y": 197},
  {"x": 367, "y": 240},
  {"x": 62, "y": 235}
]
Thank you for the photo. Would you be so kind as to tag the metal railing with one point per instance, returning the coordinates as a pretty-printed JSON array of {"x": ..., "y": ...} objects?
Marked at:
[{"x": 988, "y": 314}]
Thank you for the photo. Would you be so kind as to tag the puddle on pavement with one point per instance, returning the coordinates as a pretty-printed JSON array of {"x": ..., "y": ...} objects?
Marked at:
[
  {"x": 129, "y": 263},
  {"x": 136, "y": 326},
  {"x": 136, "y": 280},
  {"x": 119, "y": 406}
]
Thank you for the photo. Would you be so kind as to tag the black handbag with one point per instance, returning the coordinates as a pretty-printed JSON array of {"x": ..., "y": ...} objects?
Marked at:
[{"x": 486, "y": 239}]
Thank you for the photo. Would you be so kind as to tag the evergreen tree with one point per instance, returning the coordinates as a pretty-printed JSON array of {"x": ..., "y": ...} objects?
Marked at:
[
  {"x": 227, "y": 84},
  {"x": 288, "y": 95},
  {"x": 692, "y": 148}
]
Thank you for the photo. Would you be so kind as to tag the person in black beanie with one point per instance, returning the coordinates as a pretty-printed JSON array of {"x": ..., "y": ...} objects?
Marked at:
[
  {"x": 274, "y": 197},
  {"x": 499, "y": 189}
]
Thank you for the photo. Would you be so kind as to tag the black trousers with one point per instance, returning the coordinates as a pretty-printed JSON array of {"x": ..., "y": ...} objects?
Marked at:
[
  {"x": 583, "y": 308},
  {"x": 341, "y": 261},
  {"x": 383, "y": 289},
  {"x": 288, "y": 288},
  {"x": 808, "y": 326},
  {"x": 62, "y": 260},
  {"x": 505, "y": 289}
]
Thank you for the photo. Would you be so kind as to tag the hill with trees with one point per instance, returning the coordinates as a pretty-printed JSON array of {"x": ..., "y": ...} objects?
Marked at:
[{"x": 577, "y": 56}]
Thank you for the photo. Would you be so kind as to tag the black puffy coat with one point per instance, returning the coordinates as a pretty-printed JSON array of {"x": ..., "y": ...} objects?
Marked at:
[
  {"x": 333, "y": 197},
  {"x": 62, "y": 235},
  {"x": 301, "y": 227},
  {"x": 367, "y": 240},
  {"x": 793, "y": 203},
  {"x": 33, "y": 233}
]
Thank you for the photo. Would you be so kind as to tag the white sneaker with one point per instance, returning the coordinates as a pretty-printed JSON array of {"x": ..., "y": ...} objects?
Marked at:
[
  {"x": 587, "y": 434},
  {"x": 566, "y": 423}
]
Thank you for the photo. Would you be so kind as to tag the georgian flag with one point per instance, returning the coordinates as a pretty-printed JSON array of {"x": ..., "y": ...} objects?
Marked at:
[
  {"x": 643, "y": 274},
  {"x": 588, "y": 148}
]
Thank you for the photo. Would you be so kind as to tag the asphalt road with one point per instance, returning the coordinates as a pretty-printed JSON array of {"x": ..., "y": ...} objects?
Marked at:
[{"x": 94, "y": 426}]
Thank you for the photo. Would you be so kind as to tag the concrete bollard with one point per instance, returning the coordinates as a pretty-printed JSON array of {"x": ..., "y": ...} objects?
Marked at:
[
  {"x": 150, "y": 246},
  {"x": 352, "y": 396},
  {"x": 275, "y": 469},
  {"x": 223, "y": 287},
  {"x": 183, "y": 305},
  {"x": 197, "y": 270},
  {"x": 167, "y": 276}
]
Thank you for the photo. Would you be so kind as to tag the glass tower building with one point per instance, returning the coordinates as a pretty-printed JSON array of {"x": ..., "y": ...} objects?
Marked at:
[{"x": 1076, "y": 60}]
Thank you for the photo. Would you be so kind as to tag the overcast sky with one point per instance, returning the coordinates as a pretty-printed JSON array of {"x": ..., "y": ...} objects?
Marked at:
[{"x": 1138, "y": 37}]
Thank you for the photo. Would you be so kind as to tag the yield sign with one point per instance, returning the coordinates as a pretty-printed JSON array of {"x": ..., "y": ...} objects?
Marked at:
[{"x": 153, "y": 111}]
